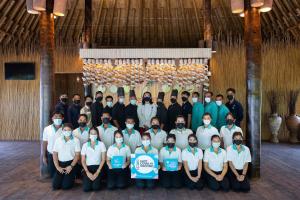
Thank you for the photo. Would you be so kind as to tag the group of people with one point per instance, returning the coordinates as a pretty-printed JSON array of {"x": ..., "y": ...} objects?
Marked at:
[{"x": 201, "y": 140}]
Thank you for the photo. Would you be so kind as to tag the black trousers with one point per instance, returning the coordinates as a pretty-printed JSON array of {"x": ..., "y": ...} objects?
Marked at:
[
  {"x": 145, "y": 183},
  {"x": 191, "y": 184},
  {"x": 50, "y": 165},
  {"x": 171, "y": 179},
  {"x": 215, "y": 185},
  {"x": 63, "y": 181},
  {"x": 238, "y": 186},
  {"x": 117, "y": 178},
  {"x": 88, "y": 184}
]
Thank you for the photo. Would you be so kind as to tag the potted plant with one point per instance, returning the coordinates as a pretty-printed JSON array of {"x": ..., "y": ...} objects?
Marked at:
[
  {"x": 274, "y": 119},
  {"x": 292, "y": 120}
]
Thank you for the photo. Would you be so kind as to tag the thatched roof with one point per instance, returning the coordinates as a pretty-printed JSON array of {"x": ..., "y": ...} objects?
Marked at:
[{"x": 146, "y": 23}]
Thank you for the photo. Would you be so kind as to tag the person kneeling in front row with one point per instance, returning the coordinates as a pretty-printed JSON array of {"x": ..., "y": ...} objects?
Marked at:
[
  {"x": 238, "y": 156},
  {"x": 93, "y": 156},
  {"x": 66, "y": 152},
  {"x": 192, "y": 163},
  {"x": 215, "y": 165},
  {"x": 118, "y": 160}
]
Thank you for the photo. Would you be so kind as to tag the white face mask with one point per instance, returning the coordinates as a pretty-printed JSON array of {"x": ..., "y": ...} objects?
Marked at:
[
  {"x": 93, "y": 137},
  {"x": 216, "y": 144},
  {"x": 57, "y": 122},
  {"x": 206, "y": 122},
  {"x": 207, "y": 99},
  {"x": 119, "y": 140},
  {"x": 146, "y": 143},
  {"x": 67, "y": 133},
  {"x": 129, "y": 126},
  {"x": 109, "y": 104},
  {"x": 133, "y": 102},
  {"x": 194, "y": 99},
  {"x": 219, "y": 103},
  {"x": 121, "y": 100}
]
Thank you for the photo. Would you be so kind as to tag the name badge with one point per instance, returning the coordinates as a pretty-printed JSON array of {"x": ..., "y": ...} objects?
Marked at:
[
  {"x": 171, "y": 164},
  {"x": 117, "y": 162}
]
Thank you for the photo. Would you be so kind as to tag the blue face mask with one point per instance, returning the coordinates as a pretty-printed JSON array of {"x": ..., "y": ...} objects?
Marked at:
[{"x": 57, "y": 122}]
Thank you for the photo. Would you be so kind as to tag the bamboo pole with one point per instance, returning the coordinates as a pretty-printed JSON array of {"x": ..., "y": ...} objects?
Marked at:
[{"x": 253, "y": 45}]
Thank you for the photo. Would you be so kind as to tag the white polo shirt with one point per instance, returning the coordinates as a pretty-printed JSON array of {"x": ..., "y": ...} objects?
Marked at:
[
  {"x": 226, "y": 133},
  {"x": 166, "y": 154},
  {"x": 93, "y": 155},
  {"x": 181, "y": 137},
  {"x": 158, "y": 139},
  {"x": 133, "y": 140},
  {"x": 191, "y": 158},
  {"x": 50, "y": 134},
  {"x": 204, "y": 136},
  {"x": 66, "y": 149},
  {"x": 141, "y": 150},
  {"x": 215, "y": 160},
  {"x": 83, "y": 136},
  {"x": 238, "y": 159},
  {"x": 107, "y": 135},
  {"x": 113, "y": 150}
]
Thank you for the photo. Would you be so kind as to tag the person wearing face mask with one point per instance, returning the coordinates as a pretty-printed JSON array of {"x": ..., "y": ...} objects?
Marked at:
[
  {"x": 106, "y": 130},
  {"x": 66, "y": 153},
  {"x": 93, "y": 156},
  {"x": 234, "y": 106},
  {"x": 50, "y": 134},
  {"x": 118, "y": 160},
  {"x": 161, "y": 110},
  {"x": 146, "y": 111},
  {"x": 216, "y": 166},
  {"x": 132, "y": 137},
  {"x": 146, "y": 148},
  {"x": 74, "y": 111},
  {"x": 87, "y": 109},
  {"x": 174, "y": 110},
  {"x": 187, "y": 108},
  {"x": 181, "y": 132},
  {"x": 227, "y": 130},
  {"x": 211, "y": 107},
  {"x": 97, "y": 109},
  {"x": 222, "y": 112},
  {"x": 205, "y": 132},
  {"x": 82, "y": 132},
  {"x": 62, "y": 106},
  {"x": 109, "y": 104},
  {"x": 171, "y": 164},
  {"x": 197, "y": 112},
  {"x": 158, "y": 136},
  {"x": 118, "y": 110},
  {"x": 238, "y": 156},
  {"x": 131, "y": 109},
  {"x": 192, "y": 163}
]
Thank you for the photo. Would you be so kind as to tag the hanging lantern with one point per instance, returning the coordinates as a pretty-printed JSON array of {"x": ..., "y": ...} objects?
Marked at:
[
  {"x": 59, "y": 8},
  {"x": 29, "y": 6},
  {"x": 257, "y": 3},
  {"x": 267, "y": 6},
  {"x": 39, "y": 5},
  {"x": 237, "y": 6}
]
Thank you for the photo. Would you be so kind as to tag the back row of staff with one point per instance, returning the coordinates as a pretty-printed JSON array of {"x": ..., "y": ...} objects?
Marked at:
[{"x": 143, "y": 112}]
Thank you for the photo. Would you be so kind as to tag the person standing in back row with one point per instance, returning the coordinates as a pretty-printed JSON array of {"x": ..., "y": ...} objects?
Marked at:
[
  {"x": 173, "y": 111},
  {"x": 234, "y": 106},
  {"x": 161, "y": 110},
  {"x": 211, "y": 107},
  {"x": 62, "y": 106},
  {"x": 118, "y": 111},
  {"x": 74, "y": 111},
  {"x": 187, "y": 108},
  {"x": 97, "y": 109},
  {"x": 131, "y": 109}
]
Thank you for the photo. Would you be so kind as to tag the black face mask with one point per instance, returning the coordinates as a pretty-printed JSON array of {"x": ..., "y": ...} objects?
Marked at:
[
  {"x": 105, "y": 120},
  {"x": 180, "y": 125},
  {"x": 65, "y": 100},
  {"x": 155, "y": 126},
  {"x": 77, "y": 102},
  {"x": 88, "y": 103},
  {"x": 98, "y": 99},
  {"x": 82, "y": 124},
  {"x": 146, "y": 99},
  {"x": 173, "y": 100},
  {"x": 171, "y": 145},
  {"x": 229, "y": 121},
  {"x": 237, "y": 142},
  {"x": 184, "y": 99},
  {"x": 193, "y": 144},
  {"x": 230, "y": 97}
]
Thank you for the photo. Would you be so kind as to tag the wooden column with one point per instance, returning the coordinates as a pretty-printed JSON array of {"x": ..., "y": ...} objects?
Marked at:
[
  {"x": 46, "y": 26},
  {"x": 87, "y": 35},
  {"x": 207, "y": 24},
  {"x": 253, "y": 43}
]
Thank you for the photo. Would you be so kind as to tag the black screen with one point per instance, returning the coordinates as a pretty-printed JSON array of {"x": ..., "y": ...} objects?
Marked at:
[{"x": 19, "y": 71}]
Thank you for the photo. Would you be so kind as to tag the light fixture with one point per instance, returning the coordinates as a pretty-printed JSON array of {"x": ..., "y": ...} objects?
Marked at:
[
  {"x": 39, "y": 5},
  {"x": 237, "y": 6},
  {"x": 242, "y": 14},
  {"x": 267, "y": 6},
  {"x": 214, "y": 46},
  {"x": 257, "y": 3},
  {"x": 59, "y": 8},
  {"x": 29, "y": 6}
]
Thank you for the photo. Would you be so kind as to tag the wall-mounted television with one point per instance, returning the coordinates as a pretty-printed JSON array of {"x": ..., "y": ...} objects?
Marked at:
[{"x": 19, "y": 71}]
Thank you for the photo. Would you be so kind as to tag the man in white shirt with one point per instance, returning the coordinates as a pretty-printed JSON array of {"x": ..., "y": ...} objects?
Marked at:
[
  {"x": 227, "y": 131},
  {"x": 158, "y": 136},
  {"x": 132, "y": 137},
  {"x": 106, "y": 130},
  {"x": 82, "y": 132}
]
